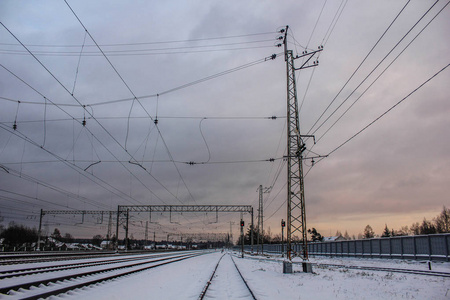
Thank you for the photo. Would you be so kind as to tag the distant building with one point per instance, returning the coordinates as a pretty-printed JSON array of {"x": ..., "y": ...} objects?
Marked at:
[
  {"x": 106, "y": 244},
  {"x": 333, "y": 238}
]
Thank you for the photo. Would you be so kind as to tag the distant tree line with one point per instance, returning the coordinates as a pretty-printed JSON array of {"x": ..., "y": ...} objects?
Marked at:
[
  {"x": 439, "y": 224},
  {"x": 18, "y": 236}
]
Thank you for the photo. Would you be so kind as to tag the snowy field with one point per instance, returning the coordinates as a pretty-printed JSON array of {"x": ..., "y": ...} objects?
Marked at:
[{"x": 186, "y": 279}]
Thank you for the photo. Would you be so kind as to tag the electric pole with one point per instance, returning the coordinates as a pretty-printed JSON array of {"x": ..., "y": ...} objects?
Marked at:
[
  {"x": 282, "y": 237},
  {"x": 146, "y": 233},
  {"x": 231, "y": 233},
  {"x": 260, "y": 220},
  {"x": 260, "y": 237},
  {"x": 242, "y": 238},
  {"x": 296, "y": 216},
  {"x": 40, "y": 230},
  {"x": 108, "y": 235}
]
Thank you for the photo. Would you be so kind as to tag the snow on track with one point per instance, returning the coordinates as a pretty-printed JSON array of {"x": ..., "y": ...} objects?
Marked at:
[
  {"x": 31, "y": 287},
  {"x": 186, "y": 280},
  {"x": 227, "y": 282},
  {"x": 181, "y": 280}
]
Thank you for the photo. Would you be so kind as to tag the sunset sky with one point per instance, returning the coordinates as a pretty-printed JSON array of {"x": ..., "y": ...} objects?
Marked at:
[{"x": 203, "y": 70}]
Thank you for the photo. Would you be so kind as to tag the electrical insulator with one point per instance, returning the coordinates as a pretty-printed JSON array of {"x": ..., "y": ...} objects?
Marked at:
[{"x": 14, "y": 125}]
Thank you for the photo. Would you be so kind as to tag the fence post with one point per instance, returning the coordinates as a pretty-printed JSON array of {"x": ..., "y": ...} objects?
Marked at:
[
  {"x": 379, "y": 247},
  {"x": 429, "y": 246},
  {"x": 390, "y": 247},
  {"x": 415, "y": 247},
  {"x": 401, "y": 246},
  {"x": 446, "y": 246},
  {"x": 362, "y": 248}
]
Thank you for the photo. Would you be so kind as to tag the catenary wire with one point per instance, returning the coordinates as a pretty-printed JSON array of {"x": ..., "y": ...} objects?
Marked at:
[
  {"x": 362, "y": 94},
  {"x": 148, "y": 43},
  {"x": 386, "y": 112},
  {"x": 359, "y": 66}
]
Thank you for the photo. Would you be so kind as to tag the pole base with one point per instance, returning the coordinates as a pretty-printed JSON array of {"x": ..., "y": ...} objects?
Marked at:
[
  {"x": 287, "y": 267},
  {"x": 307, "y": 267}
]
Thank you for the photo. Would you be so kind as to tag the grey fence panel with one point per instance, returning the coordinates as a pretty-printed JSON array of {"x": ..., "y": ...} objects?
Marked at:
[
  {"x": 447, "y": 239},
  {"x": 438, "y": 245},
  {"x": 408, "y": 246},
  {"x": 422, "y": 246},
  {"x": 352, "y": 247},
  {"x": 359, "y": 247},
  {"x": 345, "y": 248},
  {"x": 396, "y": 247},
  {"x": 367, "y": 250},
  {"x": 433, "y": 247},
  {"x": 385, "y": 249},
  {"x": 376, "y": 247}
]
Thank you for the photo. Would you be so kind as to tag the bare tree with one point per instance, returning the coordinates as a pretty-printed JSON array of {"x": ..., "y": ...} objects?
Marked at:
[
  {"x": 368, "y": 232},
  {"x": 442, "y": 221}
]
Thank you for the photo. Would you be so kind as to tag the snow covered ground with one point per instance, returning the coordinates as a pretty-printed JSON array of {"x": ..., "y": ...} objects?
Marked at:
[{"x": 186, "y": 279}]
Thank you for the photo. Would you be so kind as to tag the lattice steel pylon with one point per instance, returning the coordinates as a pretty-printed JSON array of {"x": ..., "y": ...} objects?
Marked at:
[{"x": 296, "y": 215}]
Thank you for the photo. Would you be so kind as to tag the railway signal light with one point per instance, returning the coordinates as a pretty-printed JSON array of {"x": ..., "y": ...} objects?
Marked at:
[
  {"x": 242, "y": 223},
  {"x": 283, "y": 223}
]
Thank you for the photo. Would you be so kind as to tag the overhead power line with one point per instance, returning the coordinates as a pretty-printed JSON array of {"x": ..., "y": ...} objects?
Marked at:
[
  {"x": 386, "y": 112},
  {"x": 362, "y": 94},
  {"x": 145, "y": 51},
  {"x": 183, "y": 86},
  {"x": 359, "y": 66},
  {"x": 147, "y": 43}
]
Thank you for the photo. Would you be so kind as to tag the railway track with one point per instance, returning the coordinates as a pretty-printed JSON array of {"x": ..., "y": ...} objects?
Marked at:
[
  {"x": 223, "y": 275},
  {"x": 70, "y": 265},
  {"x": 42, "y": 285},
  {"x": 367, "y": 268},
  {"x": 392, "y": 270},
  {"x": 16, "y": 259},
  {"x": 36, "y": 257}
]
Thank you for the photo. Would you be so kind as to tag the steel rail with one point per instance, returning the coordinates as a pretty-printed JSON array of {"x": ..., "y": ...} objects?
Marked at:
[
  {"x": 37, "y": 283},
  {"x": 21, "y": 259},
  {"x": 45, "y": 269},
  {"x": 243, "y": 279},
  {"x": 369, "y": 268},
  {"x": 203, "y": 293},
  {"x": 386, "y": 269}
]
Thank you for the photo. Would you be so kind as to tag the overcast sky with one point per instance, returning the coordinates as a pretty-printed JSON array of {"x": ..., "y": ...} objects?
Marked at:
[{"x": 175, "y": 58}]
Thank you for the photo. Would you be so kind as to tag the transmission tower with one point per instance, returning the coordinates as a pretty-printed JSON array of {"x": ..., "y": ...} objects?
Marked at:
[
  {"x": 296, "y": 215},
  {"x": 146, "y": 232},
  {"x": 260, "y": 231},
  {"x": 108, "y": 235},
  {"x": 260, "y": 219}
]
